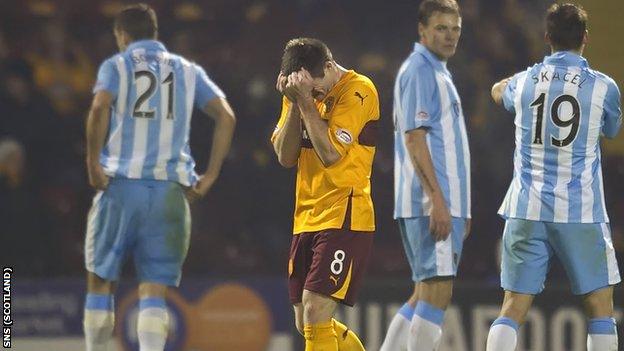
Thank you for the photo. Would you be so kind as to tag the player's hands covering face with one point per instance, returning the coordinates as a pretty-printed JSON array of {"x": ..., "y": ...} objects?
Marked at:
[{"x": 300, "y": 85}]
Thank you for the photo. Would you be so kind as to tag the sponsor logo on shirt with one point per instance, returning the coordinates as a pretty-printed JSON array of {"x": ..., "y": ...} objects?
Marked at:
[{"x": 422, "y": 116}]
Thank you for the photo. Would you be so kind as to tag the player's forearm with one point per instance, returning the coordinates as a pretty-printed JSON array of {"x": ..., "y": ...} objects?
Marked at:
[
  {"x": 96, "y": 130},
  {"x": 221, "y": 141},
  {"x": 498, "y": 89},
  {"x": 317, "y": 129},
  {"x": 420, "y": 156},
  {"x": 287, "y": 143}
]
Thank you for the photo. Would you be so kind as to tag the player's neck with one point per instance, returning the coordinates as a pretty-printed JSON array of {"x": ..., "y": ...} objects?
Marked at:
[{"x": 577, "y": 52}]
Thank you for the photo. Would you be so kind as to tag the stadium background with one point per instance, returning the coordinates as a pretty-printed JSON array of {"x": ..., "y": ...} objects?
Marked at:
[{"x": 233, "y": 295}]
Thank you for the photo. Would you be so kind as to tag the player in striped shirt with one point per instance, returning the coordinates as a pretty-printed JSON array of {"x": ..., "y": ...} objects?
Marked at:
[
  {"x": 138, "y": 158},
  {"x": 555, "y": 204},
  {"x": 432, "y": 177}
]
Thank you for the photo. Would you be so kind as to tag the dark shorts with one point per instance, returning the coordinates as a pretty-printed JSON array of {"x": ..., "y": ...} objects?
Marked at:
[{"x": 329, "y": 262}]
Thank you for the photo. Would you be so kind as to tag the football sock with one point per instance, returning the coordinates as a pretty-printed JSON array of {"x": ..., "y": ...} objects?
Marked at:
[
  {"x": 347, "y": 339},
  {"x": 99, "y": 321},
  {"x": 398, "y": 331},
  {"x": 320, "y": 337},
  {"x": 602, "y": 334},
  {"x": 503, "y": 335},
  {"x": 425, "y": 328},
  {"x": 152, "y": 324}
]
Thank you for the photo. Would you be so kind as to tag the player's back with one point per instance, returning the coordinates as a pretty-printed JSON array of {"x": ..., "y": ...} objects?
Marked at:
[
  {"x": 562, "y": 107},
  {"x": 155, "y": 92}
]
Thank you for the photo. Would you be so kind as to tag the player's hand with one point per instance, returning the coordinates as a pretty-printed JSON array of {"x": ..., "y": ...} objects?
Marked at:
[
  {"x": 467, "y": 228},
  {"x": 440, "y": 220},
  {"x": 200, "y": 189},
  {"x": 300, "y": 85},
  {"x": 280, "y": 85},
  {"x": 97, "y": 178}
]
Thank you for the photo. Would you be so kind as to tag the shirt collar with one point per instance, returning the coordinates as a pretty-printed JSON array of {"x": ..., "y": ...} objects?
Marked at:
[
  {"x": 431, "y": 57},
  {"x": 566, "y": 58},
  {"x": 146, "y": 44}
]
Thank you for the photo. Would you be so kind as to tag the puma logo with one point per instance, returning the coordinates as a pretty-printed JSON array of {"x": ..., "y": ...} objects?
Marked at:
[
  {"x": 334, "y": 279},
  {"x": 357, "y": 93}
]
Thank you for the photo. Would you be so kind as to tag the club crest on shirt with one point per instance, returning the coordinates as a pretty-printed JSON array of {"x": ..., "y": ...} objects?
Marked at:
[
  {"x": 329, "y": 103},
  {"x": 422, "y": 116},
  {"x": 344, "y": 136}
]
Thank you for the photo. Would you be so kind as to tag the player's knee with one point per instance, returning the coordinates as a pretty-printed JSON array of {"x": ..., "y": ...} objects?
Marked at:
[
  {"x": 315, "y": 311},
  {"x": 598, "y": 304}
]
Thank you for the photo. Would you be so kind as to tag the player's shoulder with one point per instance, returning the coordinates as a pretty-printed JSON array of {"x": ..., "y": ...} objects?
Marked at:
[
  {"x": 533, "y": 70},
  {"x": 361, "y": 82},
  {"x": 604, "y": 78},
  {"x": 113, "y": 60}
]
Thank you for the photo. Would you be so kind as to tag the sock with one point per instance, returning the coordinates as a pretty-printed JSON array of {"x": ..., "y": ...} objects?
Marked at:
[
  {"x": 152, "y": 324},
  {"x": 347, "y": 339},
  {"x": 99, "y": 321},
  {"x": 503, "y": 335},
  {"x": 602, "y": 334},
  {"x": 425, "y": 328},
  {"x": 398, "y": 331},
  {"x": 320, "y": 337}
]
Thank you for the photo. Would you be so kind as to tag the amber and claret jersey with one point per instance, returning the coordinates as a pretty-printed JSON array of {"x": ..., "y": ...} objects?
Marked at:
[{"x": 324, "y": 194}]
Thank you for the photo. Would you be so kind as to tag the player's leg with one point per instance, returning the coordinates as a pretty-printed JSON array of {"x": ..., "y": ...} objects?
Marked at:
[
  {"x": 525, "y": 257},
  {"x": 434, "y": 266},
  {"x": 398, "y": 330},
  {"x": 99, "y": 316},
  {"x": 108, "y": 225},
  {"x": 576, "y": 245},
  {"x": 601, "y": 327},
  {"x": 160, "y": 251},
  {"x": 318, "y": 329},
  {"x": 153, "y": 320},
  {"x": 339, "y": 261},
  {"x": 434, "y": 296},
  {"x": 503, "y": 335}
]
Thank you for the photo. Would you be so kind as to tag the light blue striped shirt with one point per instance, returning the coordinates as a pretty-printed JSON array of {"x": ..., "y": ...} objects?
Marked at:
[
  {"x": 561, "y": 109},
  {"x": 155, "y": 92},
  {"x": 425, "y": 97}
]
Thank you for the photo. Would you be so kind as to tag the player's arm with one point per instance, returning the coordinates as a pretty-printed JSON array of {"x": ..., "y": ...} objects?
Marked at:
[
  {"x": 440, "y": 219},
  {"x": 96, "y": 130},
  {"x": 498, "y": 90},
  {"x": 221, "y": 112},
  {"x": 211, "y": 100},
  {"x": 287, "y": 139},
  {"x": 612, "y": 113},
  {"x": 300, "y": 83},
  {"x": 421, "y": 103}
]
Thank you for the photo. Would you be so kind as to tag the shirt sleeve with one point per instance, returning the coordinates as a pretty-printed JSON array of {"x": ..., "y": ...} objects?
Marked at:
[
  {"x": 205, "y": 89},
  {"x": 612, "y": 113},
  {"x": 107, "y": 78},
  {"x": 509, "y": 94},
  {"x": 420, "y": 101},
  {"x": 282, "y": 118},
  {"x": 358, "y": 106}
]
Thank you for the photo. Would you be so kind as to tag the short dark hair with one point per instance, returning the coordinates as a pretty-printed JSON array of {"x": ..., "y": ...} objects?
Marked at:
[
  {"x": 566, "y": 25},
  {"x": 428, "y": 7},
  {"x": 308, "y": 53},
  {"x": 138, "y": 20}
]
